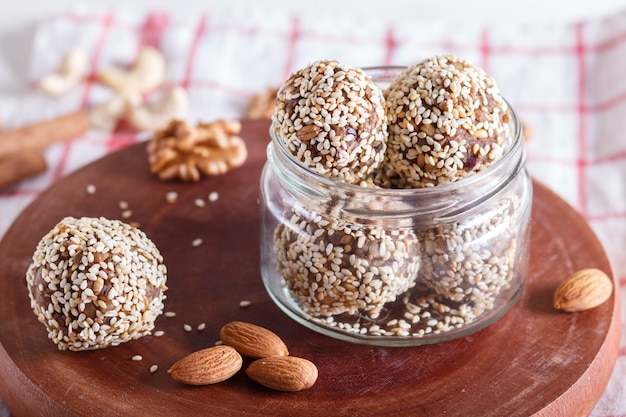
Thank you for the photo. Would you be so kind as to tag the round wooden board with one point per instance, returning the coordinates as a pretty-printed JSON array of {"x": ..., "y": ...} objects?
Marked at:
[{"x": 535, "y": 360}]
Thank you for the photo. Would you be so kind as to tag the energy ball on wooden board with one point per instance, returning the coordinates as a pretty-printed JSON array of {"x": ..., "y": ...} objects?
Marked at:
[
  {"x": 331, "y": 117},
  {"x": 447, "y": 121},
  {"x": 333, "y": 267},
  {"x": 95, "y": 283}
]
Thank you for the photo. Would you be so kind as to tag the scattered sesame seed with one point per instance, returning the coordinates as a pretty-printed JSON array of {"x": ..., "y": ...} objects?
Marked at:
[
  {"x": 171, "y": 197},
  {"x": 244, "y": 303},
  {"x": 154, "y": 368},
  {"x": 126, "y": 214},
  {"x": 213, "y": 196},
  {"x": 159, "y": 333},
  {"x": 187, "y": 327},
  {"x": 199, "y": 202},
  {"x": 170, "y": 314},
  {"x": 219, "y": 343},
  {"x": 196, "y": 242},
  {"x": 123, "y": 205},
  {"x": 90, "y": 189},
  {"x": 137, "y": 358},
  {"x": 201, "y": 326}
]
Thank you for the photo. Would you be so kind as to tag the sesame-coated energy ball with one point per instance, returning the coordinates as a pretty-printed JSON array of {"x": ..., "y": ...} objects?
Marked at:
[
  {"x": 447, "y": 121},
  {"x": 334, "y": 267},
  {"x": 332, "y": 118},
  {"x": 95, "y": 282}
]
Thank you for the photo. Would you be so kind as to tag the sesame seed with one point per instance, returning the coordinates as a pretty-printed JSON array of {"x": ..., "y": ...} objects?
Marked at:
[
  {"x": 123, "y": 205},
  {"x": 90, "y": 189},
  {"x": 137, "y": 358},
  {"x": 171, "y": 197},
  {"x": 159, "y": 333},
  {"x": 244, "y": 303},
  {"x": 213, "y": 196},
  {"x": 154, "y": 368},
  {"x": 126, "y": 214},
  {"x": 187, "y": 327},
  {"x": 201, "y": 326},
  {"x": 196, "y": 242},
  {"x": 199, "y": 202},
  {"x": 170, "y": 314}
]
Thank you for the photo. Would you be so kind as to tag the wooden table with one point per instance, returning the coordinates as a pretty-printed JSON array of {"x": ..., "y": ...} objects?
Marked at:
[{"x": 535, "y": 360}]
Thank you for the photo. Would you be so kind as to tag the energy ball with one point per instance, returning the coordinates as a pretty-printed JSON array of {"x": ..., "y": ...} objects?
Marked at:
[
  {"x": 332, "y": 118},
  {"x": 447, "y": 121},
  {"x": 332, "y": 267},
  {"x": 95, "y": 283}
]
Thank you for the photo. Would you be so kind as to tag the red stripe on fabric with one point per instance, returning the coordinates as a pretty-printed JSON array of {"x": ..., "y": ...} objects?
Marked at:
[
  {"x": 106, "y": 23},
  {"x": 15, "y": 192},
  {"x": 605, "y": 217},
  {"x": 294, "y": 36},
  {"x": 610, "y": 43},
  {"x": 582, "y": 117},
  {"x": 122, "y": 137},
  {"x": 617, "y": 156},
  {"x": 193, "y": 50},
  {"x": 390, "y": 46},
  {"x": 485, "y": 50},
  {"x": 152, "y": 30}
]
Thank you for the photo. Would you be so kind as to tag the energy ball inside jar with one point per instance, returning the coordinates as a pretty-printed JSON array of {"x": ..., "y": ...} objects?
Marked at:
[
  {"x": 331, "y": 117},
  {"x": 447, "y": 121},
  {"x": 95, "y": 283},
  {"x": 332, "y": 267}
]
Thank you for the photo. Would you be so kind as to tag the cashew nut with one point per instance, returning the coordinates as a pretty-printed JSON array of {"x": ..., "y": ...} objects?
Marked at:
[
  {"x": 69, "y": 73},
  {"x": 106, "y": 115},
  {"x": 157, "y": 114},
  {"x": 147, "y": 73}
]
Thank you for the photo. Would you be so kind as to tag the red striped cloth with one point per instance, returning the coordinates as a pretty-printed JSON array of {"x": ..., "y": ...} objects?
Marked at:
[{"x": 567, "y": 82}]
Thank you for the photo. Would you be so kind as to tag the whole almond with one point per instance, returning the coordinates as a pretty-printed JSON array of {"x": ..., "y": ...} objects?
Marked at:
[
  {"x": 252, "y": 341},
  {"x": 207, "y": 366},
  {"x": 283, "y": 373},
  {"x": 583, "y": 290}
]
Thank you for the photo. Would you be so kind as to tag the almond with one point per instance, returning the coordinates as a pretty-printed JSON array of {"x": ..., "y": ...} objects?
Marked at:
[
  {"x": 283, "y": 373},
  {"x": 308, "y": 132},
  {"x": 252, "y": 341},
  {"x": 207, "y": 366},
  {"x": 583, "y": 290}
]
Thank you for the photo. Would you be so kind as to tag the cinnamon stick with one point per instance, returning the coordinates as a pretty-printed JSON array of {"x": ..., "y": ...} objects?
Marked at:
[
  {"x": 18, "y": 166},
  {"x": 39, "y": 135}
]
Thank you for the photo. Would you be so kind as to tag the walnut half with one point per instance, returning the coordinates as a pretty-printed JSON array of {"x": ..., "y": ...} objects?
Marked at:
[{"x": 184, "y": 152}]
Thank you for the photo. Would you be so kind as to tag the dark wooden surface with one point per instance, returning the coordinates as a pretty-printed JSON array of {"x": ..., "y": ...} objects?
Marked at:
[{"x": 534, "y": 360}]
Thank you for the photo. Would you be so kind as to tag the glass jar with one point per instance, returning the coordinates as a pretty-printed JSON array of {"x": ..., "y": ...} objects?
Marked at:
[{"x": 395, "y": 267}]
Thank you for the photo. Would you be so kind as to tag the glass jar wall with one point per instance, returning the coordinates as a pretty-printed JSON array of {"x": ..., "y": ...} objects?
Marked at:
[{"x": 395, "y": 266}]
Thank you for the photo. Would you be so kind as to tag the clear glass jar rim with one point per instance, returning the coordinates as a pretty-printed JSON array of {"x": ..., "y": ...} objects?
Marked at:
[{"x": 515, "y": 149}]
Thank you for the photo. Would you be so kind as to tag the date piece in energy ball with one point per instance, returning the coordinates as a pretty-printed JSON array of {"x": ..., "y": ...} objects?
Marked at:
[
  {"x": 95, "y": 283},
  {"x": 332, "y": 118},
  {"x": 447, "y": 121}
]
